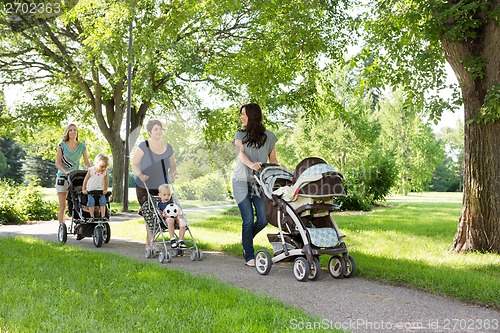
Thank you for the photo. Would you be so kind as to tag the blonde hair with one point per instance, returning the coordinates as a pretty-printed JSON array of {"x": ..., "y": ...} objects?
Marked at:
[
  {"x": 101, "y": 158},
  {"x": 164, "y": 187},
  {"x": 66, "y": 132}
]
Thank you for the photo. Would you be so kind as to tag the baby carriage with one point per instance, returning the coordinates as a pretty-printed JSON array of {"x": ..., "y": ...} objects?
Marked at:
[
  {"x": 153, "y": 217},
  {"x": 300, "y": 206},
  {"x": 81, "y": 224}
]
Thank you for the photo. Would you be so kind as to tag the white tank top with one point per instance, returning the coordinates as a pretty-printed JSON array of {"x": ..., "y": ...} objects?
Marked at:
[{"x": 96, "y": 180}]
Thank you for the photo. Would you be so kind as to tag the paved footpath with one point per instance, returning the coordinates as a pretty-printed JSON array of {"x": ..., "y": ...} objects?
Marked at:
[{"x": 355, "y": 304}]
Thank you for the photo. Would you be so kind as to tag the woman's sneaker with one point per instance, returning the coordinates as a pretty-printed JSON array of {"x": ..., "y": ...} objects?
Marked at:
[
  {"x": 173, "y": 243},
  {"x": 182, "y": 245}
]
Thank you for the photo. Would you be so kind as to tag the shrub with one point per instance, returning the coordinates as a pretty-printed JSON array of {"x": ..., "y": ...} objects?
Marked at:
[
  {"x": 211, "y": 187},
  {"x": 20, "y": 203},
  {"x": 186, "y": 190},
  {"x": 208, "y": 187}
]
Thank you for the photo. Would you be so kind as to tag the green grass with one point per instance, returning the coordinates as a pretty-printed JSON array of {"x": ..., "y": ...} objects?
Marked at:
[
  {"x": 48, "y": 287},
  {"x": 409, "y": 244},
  {"x": 404, "y": 243}
]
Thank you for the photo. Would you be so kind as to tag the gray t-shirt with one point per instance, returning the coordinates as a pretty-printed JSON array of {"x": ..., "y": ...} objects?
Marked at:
[{"x": 244, "y": 173}]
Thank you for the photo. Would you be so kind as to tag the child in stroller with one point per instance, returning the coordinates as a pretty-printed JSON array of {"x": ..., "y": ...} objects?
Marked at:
[
  {"x": 171, "y": 212},
  {"x": 157, "y": 224},
  {"x": 81, "y": 223},
  {"x": 96, "y": 184}
]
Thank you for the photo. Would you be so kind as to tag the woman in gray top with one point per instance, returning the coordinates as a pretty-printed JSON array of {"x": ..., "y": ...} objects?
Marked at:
[{"x": 254, "y": 145}]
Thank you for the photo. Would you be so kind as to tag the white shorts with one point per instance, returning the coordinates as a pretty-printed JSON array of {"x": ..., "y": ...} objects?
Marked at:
[{"x": 62, "y": 184}]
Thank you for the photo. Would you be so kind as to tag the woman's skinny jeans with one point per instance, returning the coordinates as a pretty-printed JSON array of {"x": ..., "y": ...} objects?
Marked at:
[{"x": 249, "y": 227}]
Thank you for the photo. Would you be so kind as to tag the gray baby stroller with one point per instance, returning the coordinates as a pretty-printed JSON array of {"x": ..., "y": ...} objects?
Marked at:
[
  {"x": 156, "y": 223},
  {"x": 81, "y": 223},
  {"x": 301, "y": 206}
]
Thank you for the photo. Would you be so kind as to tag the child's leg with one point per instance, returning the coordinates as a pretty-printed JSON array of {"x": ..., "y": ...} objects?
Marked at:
[
  {"x": 182, "y": 228},
  {"x": 102, "y": 206},
  {"x": 171, "y": 227},
  {"x": 103, "y": 211},
  {"x": 90, "y": 204}
]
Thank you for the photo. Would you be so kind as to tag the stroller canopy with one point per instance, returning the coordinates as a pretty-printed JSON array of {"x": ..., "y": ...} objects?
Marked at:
[
  {"x": 328, "y": 181},
  {"x": 273, "y": 176},
  {"x": 76, "y": 178}
]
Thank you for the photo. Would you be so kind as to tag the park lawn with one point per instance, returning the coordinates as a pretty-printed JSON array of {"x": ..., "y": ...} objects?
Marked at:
[
  {"x": 404, "y": 242},
  {"x": 408, "y": 243},
  {"x": 50, "y": 287}
]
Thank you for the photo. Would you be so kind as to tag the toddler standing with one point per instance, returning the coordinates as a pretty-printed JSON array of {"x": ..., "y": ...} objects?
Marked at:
[{"x": 97, "y": 180}]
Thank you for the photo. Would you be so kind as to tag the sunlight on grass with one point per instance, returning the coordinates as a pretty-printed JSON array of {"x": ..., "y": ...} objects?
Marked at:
[
  {"x": 405, "y": 242},
  {"x": 408, "y": 243},
  {"x": 49, "y": 287}
]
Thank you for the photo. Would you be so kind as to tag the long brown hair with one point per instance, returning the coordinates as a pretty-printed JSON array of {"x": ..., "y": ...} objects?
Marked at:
[{"x": 255, "y": 129}]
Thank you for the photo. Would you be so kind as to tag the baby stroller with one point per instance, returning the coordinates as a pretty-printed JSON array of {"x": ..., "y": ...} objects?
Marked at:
[
  {"x": 300, "y": 206},
  {"x": 81, "y": 225},
  {"x": 153, "y": 217}
]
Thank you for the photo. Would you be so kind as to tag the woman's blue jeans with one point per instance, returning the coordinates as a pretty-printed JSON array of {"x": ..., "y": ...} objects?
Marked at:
[{"x": 250, "y": 228}]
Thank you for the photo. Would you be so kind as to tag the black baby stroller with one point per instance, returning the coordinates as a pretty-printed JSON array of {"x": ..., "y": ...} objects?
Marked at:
[
  {"x": 81, "y": 224},
  {"x": 300, "y": 206},
  {"x": 158, "y": 226}
]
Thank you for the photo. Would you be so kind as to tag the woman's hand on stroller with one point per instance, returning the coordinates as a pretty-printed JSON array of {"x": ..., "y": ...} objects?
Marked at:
[
  {"x": 256, "y": 166},
  {"x": 143, "y": 177}
]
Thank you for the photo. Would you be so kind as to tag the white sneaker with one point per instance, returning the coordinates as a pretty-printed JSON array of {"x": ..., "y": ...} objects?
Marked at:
[{"x": 173, "y": 243}]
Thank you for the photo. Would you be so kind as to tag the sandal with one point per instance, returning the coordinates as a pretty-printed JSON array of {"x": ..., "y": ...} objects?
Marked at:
[{"x": 250, "y": 263}]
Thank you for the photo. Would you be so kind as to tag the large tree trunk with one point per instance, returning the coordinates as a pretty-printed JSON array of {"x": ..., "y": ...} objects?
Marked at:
[
  {"x": 479, "y": 223},
  {"x": 118, "y": 148}
]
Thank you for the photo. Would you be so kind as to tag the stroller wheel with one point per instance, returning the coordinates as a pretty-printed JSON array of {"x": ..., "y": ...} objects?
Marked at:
[
  {"x": 350, "y": 267},
  {"x": 263, "y": 262},
  {"x": 62, "y": 234},
  {"x": 199, "y": 254},
  {"x": 301, "y": 269},
  {"x": 148, "y": 253},
  {"x": 164, "y": 257},
  {"x": 106, "y": 232},
  {"x": 337, "y": 267},
  {"x": 315, "y": 270},
  {"x": 161, "y": 257},
  {"x": 97, "y": 236}
]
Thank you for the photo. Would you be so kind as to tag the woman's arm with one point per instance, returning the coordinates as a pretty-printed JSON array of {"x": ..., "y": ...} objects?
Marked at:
[
  {"x": 244, "y": 158},
  {"x": 172, "y": 170},
  {"x": 136, "y": 161},
  {"x": 86, "y": 158},
  {"x": 272, "y": 156},
  {"x": 59, "y": 164}
]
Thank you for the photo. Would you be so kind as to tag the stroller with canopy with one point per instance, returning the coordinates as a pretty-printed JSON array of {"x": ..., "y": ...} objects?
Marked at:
[
  {"x": 81, "y": 223},
  {"x": 158, "y": 226},
  {"x": 300, "y": 205}
]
